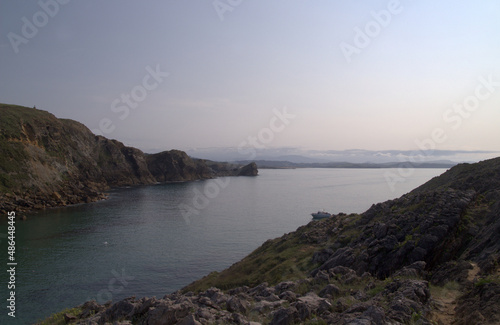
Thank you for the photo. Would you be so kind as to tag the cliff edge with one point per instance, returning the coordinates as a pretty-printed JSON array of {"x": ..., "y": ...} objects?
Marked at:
[{"x": 48, "y": 162}]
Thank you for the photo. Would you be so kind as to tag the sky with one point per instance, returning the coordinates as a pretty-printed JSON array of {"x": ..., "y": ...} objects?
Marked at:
[{"x": 315, "y": 75}]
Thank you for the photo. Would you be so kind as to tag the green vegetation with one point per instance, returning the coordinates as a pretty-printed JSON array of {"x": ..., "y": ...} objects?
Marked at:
[
  {"x": 58, "y": 318},
  {"x": 15, "y": 128},
  {"x": 451, "y": 288},
  {"x": 283, "y": 259},
  {"x": 379, "y": 287},
  {"x": 488, "y": 279},
  {"x": 12, "y": 155},
  {"x": 415, "y": 317},
  {"x": 275, "y": 261},
  {"x": 408, "y": 238},
  {"x": 13, "y": 118}
]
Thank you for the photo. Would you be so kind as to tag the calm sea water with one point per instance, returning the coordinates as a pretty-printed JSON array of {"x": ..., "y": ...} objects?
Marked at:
[{"x": 143, "y": 241}]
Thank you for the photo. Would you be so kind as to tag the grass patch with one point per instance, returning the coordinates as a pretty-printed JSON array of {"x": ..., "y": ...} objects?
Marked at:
[
  {"x": 376, "y": 290},
  {"x": 275, "y": 261},
  {"x": 450, "y": 290},
  {"x": 486, "y": 280},
  {"x": 58, "y": 318}
]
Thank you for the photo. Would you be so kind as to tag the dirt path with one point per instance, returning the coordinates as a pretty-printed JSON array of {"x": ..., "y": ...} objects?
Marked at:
[
  {"x": 445, "y": 304},
  {"x": 473, "y": 273},
  {"x": 445, "y": 300}
]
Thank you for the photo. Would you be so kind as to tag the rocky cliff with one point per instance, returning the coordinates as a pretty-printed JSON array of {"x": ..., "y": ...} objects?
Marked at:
[
  {"x": 46, "y": 162},
  {"x": 429, "y": 257}
]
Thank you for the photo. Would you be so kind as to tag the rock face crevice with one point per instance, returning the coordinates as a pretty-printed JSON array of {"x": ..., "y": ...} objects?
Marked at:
[{"x": 47, "y": 162}]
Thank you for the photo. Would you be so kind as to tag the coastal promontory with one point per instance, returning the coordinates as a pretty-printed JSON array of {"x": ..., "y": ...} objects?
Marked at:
[{"x": 47, "y": 162}]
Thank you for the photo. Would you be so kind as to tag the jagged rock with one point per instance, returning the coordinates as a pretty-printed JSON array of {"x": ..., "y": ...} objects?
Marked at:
[
  {"x": 216, "y": 296},
  {"x": 263, "y": 307},
  {"x": 407, "y": 297},
  {"x": 89, "y": 308},
  {"x": 284, "y": 316},
  {"x": 303, "y": 310},
  {"x": 237, "y": 305},
  {"x": 322, "y": 256},
  {"x": 480, "y": 305},
  {"x": 324, "y": 307},
  {"x": 167, "y": 313},
  {"x": 68, "y": 318},
  {"x": 344, "y": 274},
  {"x": 145, "y": 304},
  {"x": 376, "y": 315},
  {"x": 451, "y": 271},
  {"x": 263, "y": 292},
  {"x": 284, "y": 286},
  {"x": 125, "y": 308},
  {"x": 248, "y": 170},
  {"x": 189, "y": 320},
  {"x": 380, "y": 230},
  {"x": 322, "y": 276},
  {"x": 312, "y": 300},
  {"x": 289, "y": 296},
  {"x": 205, "y": 314},
  {"x": 414, "y": 270},
  {"x": 330, "y": 291}
]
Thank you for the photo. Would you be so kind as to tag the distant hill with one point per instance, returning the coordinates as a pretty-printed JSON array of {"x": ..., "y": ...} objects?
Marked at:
[
  {"x": 276, "y": 164},
  {"x": 356, "y": 156},
  {"x": 46, "y": 162}
]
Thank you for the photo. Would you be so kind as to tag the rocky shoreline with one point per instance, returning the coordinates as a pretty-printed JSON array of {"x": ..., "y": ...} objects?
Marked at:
[
  {"x": 69, "y": 194},
  {"x": 343, "y": 298},
  {"x": 429, "y": 257},
  {"x": 337, "y": 295}
]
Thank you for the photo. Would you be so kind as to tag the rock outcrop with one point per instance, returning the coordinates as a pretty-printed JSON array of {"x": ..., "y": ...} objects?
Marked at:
[
  {"x": 47, "y": 162},
  {"x": 248, "y": 170},
  {"x": 429, "y": 257},
  {"x": 397, "y": 302}
]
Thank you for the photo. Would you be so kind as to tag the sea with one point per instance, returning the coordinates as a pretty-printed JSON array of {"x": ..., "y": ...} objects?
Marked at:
[{"x": 153, "y": 240}]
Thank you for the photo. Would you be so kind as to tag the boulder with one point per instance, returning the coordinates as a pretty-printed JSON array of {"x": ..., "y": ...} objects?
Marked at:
[
  {"x": 237, "y": 305},
  {"x": 284, "y": 316},
  {"x": 329, "y": 291}
]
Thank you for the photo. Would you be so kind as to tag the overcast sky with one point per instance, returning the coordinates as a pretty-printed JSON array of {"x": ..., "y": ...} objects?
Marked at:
[{"x": 337, "y": 75}]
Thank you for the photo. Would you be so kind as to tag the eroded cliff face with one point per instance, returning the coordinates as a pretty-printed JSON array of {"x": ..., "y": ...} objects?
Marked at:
[
  {"x": 176, "y": 165},
  {"x": 47, "y": 162}
]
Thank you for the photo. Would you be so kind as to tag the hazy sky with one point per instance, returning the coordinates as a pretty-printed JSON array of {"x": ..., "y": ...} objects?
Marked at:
[{"x": 311, "y": 74}]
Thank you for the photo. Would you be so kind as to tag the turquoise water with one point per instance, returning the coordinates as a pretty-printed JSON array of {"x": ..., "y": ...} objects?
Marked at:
[{"x": 153, "y": 240}]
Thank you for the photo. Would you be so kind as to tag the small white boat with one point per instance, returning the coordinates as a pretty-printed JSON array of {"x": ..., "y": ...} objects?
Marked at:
[{"x": 321, "y": 215}]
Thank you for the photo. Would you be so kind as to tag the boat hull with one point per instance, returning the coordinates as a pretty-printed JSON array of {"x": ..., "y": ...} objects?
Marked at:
[{"x": 320, "y": 215}]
